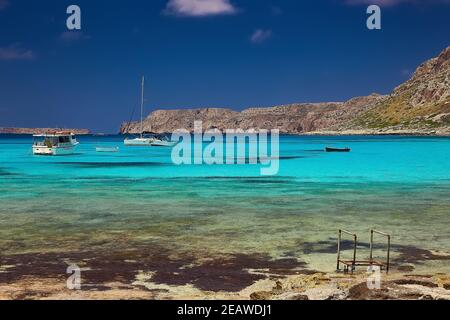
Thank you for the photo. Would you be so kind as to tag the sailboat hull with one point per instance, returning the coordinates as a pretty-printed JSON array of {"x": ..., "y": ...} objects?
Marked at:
[
  {"x": 162, "y": 143},
  {"x": 139, "y": 142}
]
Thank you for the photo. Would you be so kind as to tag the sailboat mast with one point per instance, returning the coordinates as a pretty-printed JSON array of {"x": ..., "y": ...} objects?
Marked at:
[{"x": 142, "y": 105}]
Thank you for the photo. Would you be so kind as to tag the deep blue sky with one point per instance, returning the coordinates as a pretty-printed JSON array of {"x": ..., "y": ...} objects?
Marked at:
[{"x": 305, "y": 51}]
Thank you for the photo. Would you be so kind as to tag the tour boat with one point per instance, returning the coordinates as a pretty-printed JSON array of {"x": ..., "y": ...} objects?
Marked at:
[{"x": 54, "y": 143}]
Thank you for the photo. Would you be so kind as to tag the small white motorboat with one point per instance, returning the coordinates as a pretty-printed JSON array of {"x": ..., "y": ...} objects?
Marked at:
[
  {"x": 107, "y": 149},
  {"x": 54, "y": 143}
]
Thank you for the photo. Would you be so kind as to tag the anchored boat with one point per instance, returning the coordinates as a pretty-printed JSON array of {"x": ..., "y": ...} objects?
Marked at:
[
  {"x": 107, "y": 149},
  {"x": 163, "y": 141},
  {"x": 141, "y": 140},
  {"x": 54, "y": 143},
  {"x": 146, "y": 139},
  {"x": 330, "y": 149}
]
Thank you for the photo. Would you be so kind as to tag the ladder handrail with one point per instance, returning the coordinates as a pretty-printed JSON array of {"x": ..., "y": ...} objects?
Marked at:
[
  {"x": 347, "y": 232},
  {"x": 372, "y": 231},
  {"x": 381, "y": 233},
  {"x": 355, "y": 240}
]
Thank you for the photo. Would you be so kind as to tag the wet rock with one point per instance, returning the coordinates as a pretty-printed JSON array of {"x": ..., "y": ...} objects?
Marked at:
[
  {"x": 362, "y": 292},
  {"x": 335, "y": 296},
  {"x": 443, "y": 281},
  {"x": 305, "y": 282},
  {"x": 261, "y": 295},
  {"x": 416, "y": 282},
  {"x": 299, "y": 297},
  {"x": 278, "y": 289}
]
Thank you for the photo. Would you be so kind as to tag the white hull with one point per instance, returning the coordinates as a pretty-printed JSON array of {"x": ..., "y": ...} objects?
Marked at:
[
  {"x": 161, "y": 143},
  {"x": 107, "y": 149},
  {"x": 139, "y": 142},
  {"x": 53, "y": 151}
]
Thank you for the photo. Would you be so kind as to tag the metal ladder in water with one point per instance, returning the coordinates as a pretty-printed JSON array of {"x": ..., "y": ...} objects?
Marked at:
[{"x": 353, "y": 263}]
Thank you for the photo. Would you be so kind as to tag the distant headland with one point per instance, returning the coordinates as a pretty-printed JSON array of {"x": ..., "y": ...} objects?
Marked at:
[
  {"x": 420, "y": 106},
  {"x": 10, "y": 130}
]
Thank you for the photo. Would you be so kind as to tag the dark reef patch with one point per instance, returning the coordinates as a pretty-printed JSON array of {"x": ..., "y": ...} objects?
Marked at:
[
  {"x": 4, "y": 173},
  {"x": 223, "y": 273},
  {"x": 227, "y": 273},
  {"x": 113, "y": 164},
  {"x": 411, "y": 254}
]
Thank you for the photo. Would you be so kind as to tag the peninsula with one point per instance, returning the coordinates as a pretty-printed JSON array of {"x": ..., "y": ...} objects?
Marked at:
[{"x": 420, "y": 106}]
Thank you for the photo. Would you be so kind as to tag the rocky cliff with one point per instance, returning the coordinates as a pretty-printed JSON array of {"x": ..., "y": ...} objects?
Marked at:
[
  {"x": 420, "y": 105},
  {"x": 293, "y": 118}
]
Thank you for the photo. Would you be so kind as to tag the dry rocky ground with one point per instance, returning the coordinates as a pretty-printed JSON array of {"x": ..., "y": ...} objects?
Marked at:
[{"x": 318, "y": 286}]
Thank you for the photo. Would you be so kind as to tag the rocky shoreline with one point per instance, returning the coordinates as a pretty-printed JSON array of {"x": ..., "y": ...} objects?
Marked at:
[
  {"x": 317, "y": 286},
  {"x": 158, "y": 273},
  {"x": 334, "y": 286}
]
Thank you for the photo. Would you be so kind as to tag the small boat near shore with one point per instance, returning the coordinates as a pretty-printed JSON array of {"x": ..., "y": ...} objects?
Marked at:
[
  {"x": 54, "y": 143},
  {"x": 332, "y": 149}
]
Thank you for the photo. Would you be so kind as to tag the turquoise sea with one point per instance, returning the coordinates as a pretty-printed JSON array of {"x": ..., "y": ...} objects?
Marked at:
[{"x": 136, "y": 200}]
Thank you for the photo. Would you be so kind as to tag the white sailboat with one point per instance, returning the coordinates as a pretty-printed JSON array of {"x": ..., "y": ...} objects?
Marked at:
[{"x": 141, "y": 140}]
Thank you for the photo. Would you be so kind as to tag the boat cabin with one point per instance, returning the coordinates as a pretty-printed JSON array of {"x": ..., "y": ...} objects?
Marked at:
[{"x": 54, "y": 143}]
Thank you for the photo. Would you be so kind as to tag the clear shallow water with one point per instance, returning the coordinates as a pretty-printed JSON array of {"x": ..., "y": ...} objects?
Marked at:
[{"x": 100, "y": 201}]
